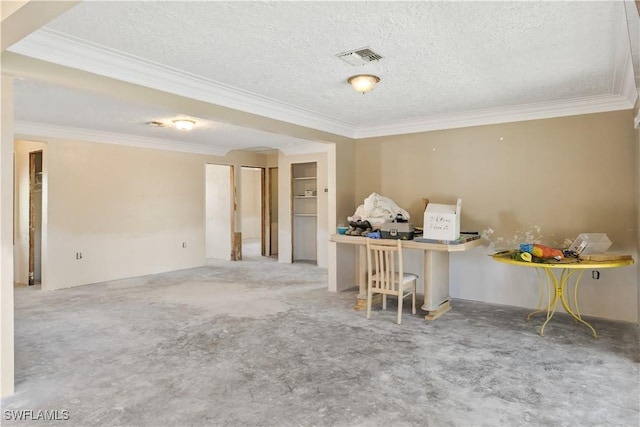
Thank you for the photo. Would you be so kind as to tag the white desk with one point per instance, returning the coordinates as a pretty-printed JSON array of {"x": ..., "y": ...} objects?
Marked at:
[{"x": 435, "y": 275}]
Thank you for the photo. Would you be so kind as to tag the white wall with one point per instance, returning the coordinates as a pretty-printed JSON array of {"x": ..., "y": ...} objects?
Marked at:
[
  {"x": 251, "y": 203},
  {"x": 218, "y": 211},
  {"x": 6, "y": 238},
  {"x": 284, "y": 205}
]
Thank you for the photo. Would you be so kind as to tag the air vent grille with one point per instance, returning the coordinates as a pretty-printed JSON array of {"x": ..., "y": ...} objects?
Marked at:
[{"x": 360, "y": 56}]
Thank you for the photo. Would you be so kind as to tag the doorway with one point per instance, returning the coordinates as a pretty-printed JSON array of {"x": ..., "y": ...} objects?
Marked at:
[
  {"x": 219, "y": 212},
  {"x": 304, "y": 212},
  {"x": 252, "y": 188},
  {"x": 35, "y": 218},
  {"x": 273, "y": 212}
]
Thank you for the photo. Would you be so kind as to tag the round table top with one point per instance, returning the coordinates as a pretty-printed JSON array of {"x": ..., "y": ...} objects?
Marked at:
[{"x": 508, "y": 258}]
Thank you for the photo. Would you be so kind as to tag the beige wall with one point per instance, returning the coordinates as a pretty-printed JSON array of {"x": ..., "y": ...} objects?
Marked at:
[
  {"x": 127, "y": 210},
  {"x": 346, "y": 182},
  {"x": 342, "y": 178},
  {"x": 637, "y": 112},
  {"x": 543, "y": 180}
]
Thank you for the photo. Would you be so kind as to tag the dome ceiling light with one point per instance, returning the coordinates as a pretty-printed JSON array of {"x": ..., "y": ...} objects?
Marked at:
[
  {"x": 183, "y": 124},
  {"x": 363, "y": 82}
]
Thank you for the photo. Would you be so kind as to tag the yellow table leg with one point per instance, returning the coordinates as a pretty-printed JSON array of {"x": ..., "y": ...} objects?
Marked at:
[
  {"x": 553, "y": 305},
  {"x": 576, "y": 315},
  {"x": 560, "y": 288},
  {"x": 544, "y": 283}
]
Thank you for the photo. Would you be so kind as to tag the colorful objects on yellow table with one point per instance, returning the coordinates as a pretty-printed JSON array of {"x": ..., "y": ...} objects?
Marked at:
[{"x": 542, "y": 251}]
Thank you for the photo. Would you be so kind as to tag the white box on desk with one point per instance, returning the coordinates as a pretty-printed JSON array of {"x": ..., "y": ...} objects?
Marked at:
[{"x": 442, "y": 222}]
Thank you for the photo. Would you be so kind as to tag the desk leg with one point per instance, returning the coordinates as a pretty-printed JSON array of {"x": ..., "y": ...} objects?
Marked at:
[
  {"x": 436, "y": 284},
  {"x": 361, "y": 280}
]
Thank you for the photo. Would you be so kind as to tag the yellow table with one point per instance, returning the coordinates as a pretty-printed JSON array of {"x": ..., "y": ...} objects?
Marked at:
[{"x": 558, "y": 275}]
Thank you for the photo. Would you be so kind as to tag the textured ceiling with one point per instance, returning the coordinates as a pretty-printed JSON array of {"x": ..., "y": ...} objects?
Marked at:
[
  {"x": 439, "y": 58},
  {"x": 46, "y": 105}
]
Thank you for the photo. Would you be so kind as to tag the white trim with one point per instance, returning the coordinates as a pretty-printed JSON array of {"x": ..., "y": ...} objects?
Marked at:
[
  {"x": 60, "y": 48},
  {"x": 622, "y": 58},
  {"x": 310, "y": 147},
  {"x": 628, "y": 89},
  {"x": 545, "y": 110},
  {"x": 63, "y": 49},
  {"x": 33, "y": 129}
]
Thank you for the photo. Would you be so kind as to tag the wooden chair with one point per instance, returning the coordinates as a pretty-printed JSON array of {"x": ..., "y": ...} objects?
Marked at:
[{"x": 386, "y": 274}]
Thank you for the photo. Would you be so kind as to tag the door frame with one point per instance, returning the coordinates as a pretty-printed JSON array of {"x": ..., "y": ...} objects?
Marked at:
[
  {"x": 264, "y": 212},
  {"x": 272, "y": 171},
  {"x": 32, "y": 213}
]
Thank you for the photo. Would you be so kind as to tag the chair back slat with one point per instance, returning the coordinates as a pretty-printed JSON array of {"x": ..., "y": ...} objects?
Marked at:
[
  {"x": 386, "y": 275},
  {"x": 384, "y": 259}
]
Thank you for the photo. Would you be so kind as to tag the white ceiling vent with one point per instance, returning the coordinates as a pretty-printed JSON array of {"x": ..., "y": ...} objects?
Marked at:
[{"x": 359, "y": 56}]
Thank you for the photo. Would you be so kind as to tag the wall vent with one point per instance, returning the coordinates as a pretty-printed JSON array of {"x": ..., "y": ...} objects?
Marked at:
[{"x": 360, "y": 56}]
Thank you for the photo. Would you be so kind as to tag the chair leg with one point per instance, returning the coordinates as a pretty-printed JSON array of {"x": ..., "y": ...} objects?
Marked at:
[
  {"x": 413, "y": 300},
  {"x": 384, "y": 301},
  {"x": 400, "y": 298},
  {"x": 369, "y": 304}
]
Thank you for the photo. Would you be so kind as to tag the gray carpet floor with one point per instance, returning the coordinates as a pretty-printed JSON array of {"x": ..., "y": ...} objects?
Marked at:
[{"x": 258, "y": 343}]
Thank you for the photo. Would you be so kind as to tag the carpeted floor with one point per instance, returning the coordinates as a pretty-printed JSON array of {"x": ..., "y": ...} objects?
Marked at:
[{"x": 258, "y": 343}]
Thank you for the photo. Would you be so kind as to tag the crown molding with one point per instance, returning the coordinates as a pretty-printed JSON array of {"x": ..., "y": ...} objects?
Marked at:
[
  {"x": 307, "y": 148},
  {"x": 56, "y": 47},
  {"x": 546, "y": 110},
  {"x": 629, "y": 90},
  {"x": 63, "y": 49},
  {"x": 24, "y": 129},
  {"x": 622, "y": 55}
]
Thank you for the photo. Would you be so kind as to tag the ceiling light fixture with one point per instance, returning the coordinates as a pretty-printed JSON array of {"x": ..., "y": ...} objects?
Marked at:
[
  {"x": 183, "y": 124},
  {"x": 363, "y": 82}
]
